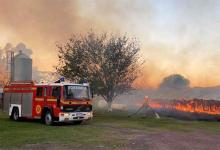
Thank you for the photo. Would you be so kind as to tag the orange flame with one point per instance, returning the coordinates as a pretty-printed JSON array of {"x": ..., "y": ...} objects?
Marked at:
[{"x": 211, "y": 107}]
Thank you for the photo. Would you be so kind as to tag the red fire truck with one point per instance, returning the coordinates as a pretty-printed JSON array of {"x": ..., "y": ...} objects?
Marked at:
[{"x": 55, "y": 102}]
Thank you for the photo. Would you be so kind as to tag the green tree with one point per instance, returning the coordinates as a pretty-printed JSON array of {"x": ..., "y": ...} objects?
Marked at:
[{"x": 109, "y": 63}]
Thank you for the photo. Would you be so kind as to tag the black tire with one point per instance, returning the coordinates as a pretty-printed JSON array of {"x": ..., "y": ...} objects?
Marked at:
[
  {"x": 48, "y": 118},
  {"x": 15, "y": 114},
  {"x": 77, "y": 122}
]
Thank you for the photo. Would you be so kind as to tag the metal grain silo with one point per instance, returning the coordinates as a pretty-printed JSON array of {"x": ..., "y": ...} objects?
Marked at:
[{"x": 21, "y": 67}]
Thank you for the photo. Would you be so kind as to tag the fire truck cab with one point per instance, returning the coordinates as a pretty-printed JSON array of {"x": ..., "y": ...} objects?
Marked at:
[{"x": 55, "y": 102}]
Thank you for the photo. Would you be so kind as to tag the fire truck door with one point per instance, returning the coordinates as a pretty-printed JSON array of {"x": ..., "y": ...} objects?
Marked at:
[{"x": 39, "y": 101}]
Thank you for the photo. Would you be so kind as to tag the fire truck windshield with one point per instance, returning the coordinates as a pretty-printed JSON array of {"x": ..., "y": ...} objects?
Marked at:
[{"x": 76, "y": 92}]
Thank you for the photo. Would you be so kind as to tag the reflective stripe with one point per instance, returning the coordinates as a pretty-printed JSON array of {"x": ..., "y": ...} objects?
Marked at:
[
  {"x": 6, "y": 89},
  {"x": 20, "y": 89},
  {"x": 39, "y": 99},
  {"x": 74, "y": 102},
  {"x": 51, "y": 100},
  {"x": 33, "y": 88}
]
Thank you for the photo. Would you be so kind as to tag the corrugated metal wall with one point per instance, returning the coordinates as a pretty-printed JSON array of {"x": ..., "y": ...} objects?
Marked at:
[
  {"x": 6, "y": 102},
  {"x": 26, "y": 106},
  {"x": 22, "y": 68}
]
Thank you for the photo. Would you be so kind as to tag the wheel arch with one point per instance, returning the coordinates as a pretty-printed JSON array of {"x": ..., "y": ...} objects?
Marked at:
[
  {"x": 15, "y": 106},
  {"x": 45, "y": 109}
]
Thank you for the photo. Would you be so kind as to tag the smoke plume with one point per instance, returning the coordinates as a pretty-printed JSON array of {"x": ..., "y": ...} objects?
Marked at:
[
  {"x": 39, "y": 24},
  {"x": 175, "y": 36},
  {"x": 23, "y": 48}
]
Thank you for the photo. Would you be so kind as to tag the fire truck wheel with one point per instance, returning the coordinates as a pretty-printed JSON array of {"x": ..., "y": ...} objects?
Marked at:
[
  {"x": 48, "y": 119},
  {"x": 15, "y": 114}
]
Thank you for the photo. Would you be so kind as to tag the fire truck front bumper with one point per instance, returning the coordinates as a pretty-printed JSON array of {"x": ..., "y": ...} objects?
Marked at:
[{"x": 74, "y": 116}]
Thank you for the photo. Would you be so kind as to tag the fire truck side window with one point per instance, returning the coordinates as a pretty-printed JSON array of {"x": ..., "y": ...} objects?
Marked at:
[
  {"x": 39, "y": 92},
  {"x": 56, "y": 91}
]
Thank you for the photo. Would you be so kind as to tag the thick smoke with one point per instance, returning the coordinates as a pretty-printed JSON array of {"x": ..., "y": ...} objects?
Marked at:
[
  {"x": 23, "y": 48},
  {"x": 171, "y": 32},
  {"x": 44, "y": 76},
  {"x": 172, "y": 87},
  {"x": 41, "y": 20},
  {"x": 40, "y": 24},
  {"x": 16, "y": 49}
]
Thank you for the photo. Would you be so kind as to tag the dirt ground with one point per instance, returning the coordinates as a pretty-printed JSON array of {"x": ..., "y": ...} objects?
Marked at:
[
  {"x": 139, "y": 140},
  {"x": 175, "y": 141}
]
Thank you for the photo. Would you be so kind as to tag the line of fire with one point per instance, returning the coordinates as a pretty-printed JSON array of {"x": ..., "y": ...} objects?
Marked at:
[
  {"x": 184, "y": 108},
  {"x": 211, "y": 107}
]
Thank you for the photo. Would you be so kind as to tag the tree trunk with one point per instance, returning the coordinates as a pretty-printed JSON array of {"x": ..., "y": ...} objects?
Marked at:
[{"x": 109, "y": 106}]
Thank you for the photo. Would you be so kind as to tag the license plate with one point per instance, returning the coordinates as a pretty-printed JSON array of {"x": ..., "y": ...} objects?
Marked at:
[{"x": 79, "y": 114}]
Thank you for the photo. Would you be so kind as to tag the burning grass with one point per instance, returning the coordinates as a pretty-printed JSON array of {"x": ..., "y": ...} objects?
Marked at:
[
  {"x": 193, "y": 109},
  {"x": 200, "y": 106}
]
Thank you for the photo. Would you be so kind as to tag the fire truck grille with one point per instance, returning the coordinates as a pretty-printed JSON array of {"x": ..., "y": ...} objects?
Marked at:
[{"x": 77, "y": 108}]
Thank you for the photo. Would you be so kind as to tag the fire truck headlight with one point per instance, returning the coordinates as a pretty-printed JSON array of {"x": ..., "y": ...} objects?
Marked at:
[
  {"x": 90, "y": 114},
  {"x": 66, "y": 115},
  {"x": 61, "y": 107}
]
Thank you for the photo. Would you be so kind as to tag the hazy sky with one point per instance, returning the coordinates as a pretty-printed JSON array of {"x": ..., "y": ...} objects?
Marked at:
[{"x": 176, "y": 36}]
